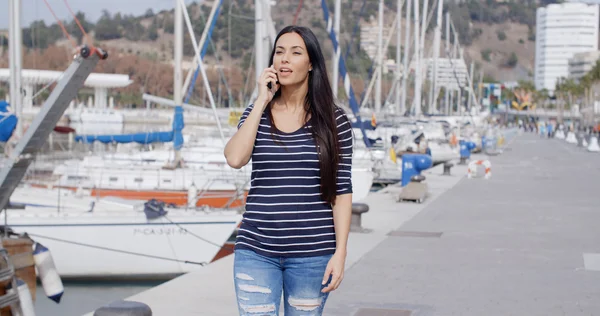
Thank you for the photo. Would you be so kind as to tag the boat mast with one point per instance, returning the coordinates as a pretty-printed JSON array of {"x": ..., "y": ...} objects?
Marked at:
[
  {"x": 436, "y": 54},
  {"x": 15, "y": 40},
  {"x": 397, "y": 108},
  {"x": 178, "y": 56},
  {"x": 405, "y": 62},
  {"x": 379, "y": 60},
  {"x": 336, "y": 55},
  {"x": 417, "y": 99}
]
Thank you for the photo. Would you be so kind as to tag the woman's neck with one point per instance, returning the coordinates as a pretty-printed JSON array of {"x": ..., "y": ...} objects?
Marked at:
[{"x": 293, "y": 97}]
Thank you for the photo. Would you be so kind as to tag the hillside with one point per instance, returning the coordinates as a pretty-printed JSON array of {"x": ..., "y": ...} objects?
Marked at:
[{"x": 497, "y": 35}]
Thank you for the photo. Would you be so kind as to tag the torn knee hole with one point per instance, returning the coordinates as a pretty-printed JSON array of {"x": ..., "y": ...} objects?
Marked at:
[
  {"x": 258, "y": 309},
  {"x": 254, "y": 288},
  {"x": 243, "y": 276},
  {"x": 305, "y": 304}
]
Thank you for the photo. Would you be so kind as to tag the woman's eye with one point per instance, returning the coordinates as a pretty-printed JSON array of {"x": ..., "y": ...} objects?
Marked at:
[
  {"x": 278, "y": 53},
  {"x": 296, "y": 53}
]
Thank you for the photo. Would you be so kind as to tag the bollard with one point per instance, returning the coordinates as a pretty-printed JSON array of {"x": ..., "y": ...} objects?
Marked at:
[
  {"x": 356, "y": 221},
  {"x": 124, "y": 308},
  {"x": 447, "y": 167},
  {"x": 412, "y": 165}
]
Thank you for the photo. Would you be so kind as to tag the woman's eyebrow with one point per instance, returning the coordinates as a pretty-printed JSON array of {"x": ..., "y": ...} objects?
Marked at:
[{"x": 292, "y": 47}]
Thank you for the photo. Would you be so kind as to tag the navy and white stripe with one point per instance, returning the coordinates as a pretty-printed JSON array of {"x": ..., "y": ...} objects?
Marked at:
[{"x": 285, "y": 214}]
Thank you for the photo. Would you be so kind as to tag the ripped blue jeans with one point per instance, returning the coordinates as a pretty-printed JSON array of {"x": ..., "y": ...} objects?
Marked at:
[{"x": 260, "y": 281}]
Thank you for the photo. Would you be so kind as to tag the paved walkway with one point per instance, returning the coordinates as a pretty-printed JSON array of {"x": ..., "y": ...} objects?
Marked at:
[{"x": 525, "y": 242}]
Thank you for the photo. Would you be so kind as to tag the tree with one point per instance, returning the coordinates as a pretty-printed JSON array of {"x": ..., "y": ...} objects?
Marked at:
[
  {"x": 73, "y": 27},
  {"x": 107, "y": 28},
  {"x": 501, "y": 35},
  {"x": 512, "y": 61},
  {"x": 152, "y": 32},
  {"x": 149, "y": 13}
]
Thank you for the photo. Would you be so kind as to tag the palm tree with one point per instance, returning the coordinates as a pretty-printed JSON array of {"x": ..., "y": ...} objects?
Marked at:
[{"x": 591, "y": 83}]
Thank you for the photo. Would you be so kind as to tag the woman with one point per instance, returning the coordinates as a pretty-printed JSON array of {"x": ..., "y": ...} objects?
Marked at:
[{"x": 294, "y": 232}]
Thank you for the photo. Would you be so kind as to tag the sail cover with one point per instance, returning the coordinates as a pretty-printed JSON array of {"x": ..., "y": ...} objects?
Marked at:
[{"x": 8, "y": 121}]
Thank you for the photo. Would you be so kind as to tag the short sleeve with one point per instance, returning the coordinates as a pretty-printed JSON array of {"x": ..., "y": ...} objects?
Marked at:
[
  {"x": 245, "y": 115},
  {"x": 346, "y": 142}
]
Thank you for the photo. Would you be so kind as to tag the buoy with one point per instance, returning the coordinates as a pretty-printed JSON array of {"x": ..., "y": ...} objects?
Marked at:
[
  {"x": 472, "y": 169},
  {"x": 593, "y": 147},
  {"x": 47, "y": 273},
  {"x": 25, "y": 299},
  {"x": 571, "y": 139},
  {"x": 192, "y": 198}
]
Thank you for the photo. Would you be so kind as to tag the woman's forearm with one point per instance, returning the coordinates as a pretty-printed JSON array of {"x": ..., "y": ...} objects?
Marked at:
[{"x": 342, "y": 215}]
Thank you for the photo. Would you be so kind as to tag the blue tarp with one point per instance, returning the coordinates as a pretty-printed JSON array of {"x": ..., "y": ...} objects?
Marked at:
[
  {"x": 174, "y": 135},
  {"x": 140, "y": 138},
  {"x": 8, "y": 122}
]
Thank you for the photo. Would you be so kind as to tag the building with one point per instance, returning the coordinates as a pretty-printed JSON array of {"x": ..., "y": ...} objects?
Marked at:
[
  {"x": 368, "y": 42},
  {"x": 562, "y": 31},
  {"x": 368, "y": 38},
  {"x": 581, "y": 63},
  {"x": 451, "y": 73}
]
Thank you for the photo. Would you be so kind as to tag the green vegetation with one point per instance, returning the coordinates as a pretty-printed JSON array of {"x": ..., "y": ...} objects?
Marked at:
[
  {"x": 512, "y": 60},
  {"x": 501, "y": 35},
  {"x": 486, "y": 54}
]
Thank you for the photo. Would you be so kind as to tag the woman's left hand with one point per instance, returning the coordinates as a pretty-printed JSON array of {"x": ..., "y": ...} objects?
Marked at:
[{"x": 335, "y": 268}]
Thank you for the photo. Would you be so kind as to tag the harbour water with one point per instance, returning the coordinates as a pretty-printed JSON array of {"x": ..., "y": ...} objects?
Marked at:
[{"x": 82, "y": 298}]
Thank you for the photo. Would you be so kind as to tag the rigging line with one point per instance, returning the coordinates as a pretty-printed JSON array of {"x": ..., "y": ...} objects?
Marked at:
[
  {"x": 85, "y": 36},
  {"x": 62, "y": 26},
  {"x": 117, "y": 250},
  {"x": 298, "y": 9},
  {"x": 189, "y": 232}
]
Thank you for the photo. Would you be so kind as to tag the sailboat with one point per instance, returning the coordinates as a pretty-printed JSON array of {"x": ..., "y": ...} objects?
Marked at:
[{"x": 116, "y": 238}]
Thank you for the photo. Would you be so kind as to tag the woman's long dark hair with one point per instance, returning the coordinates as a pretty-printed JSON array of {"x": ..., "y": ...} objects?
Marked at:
[{"x": 320, "y": 106}]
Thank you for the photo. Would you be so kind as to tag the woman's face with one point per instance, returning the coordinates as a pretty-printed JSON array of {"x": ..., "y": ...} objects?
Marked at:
[{"x": 291, "y": 59}]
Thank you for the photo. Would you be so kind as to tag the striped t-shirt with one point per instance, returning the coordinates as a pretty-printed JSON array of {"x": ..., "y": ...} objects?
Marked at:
[{"x": 285, "y": 215}]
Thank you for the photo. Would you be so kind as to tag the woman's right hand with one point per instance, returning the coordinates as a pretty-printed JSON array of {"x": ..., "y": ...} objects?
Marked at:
[{"x": 265, "y": 95}]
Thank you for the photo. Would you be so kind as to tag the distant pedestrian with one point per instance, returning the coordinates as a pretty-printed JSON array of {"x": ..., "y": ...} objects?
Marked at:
[{"x": 293, "y": 237}]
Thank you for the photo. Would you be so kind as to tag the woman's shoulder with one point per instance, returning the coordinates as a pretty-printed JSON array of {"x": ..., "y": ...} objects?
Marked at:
[{"x": 340, "y": 116}]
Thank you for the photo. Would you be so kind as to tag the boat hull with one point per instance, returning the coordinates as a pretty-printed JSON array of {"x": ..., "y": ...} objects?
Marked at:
[{"x": 127, "y": 245}]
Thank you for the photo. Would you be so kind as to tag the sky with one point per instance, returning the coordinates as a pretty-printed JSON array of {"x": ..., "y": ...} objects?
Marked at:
[{"x": 36, "y": 9}]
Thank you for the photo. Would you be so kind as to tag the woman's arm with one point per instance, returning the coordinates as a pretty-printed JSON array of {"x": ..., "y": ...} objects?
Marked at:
[
  {"x": 342, "y": 210},
  {"x": 342, "y": 213},
  {"x": 238, "y": 150}
]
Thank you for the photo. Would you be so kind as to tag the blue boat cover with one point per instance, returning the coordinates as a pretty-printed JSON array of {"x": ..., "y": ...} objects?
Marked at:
[
  {"x": 8, "y": 122},
  {"x": 174, "y": 135}
]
